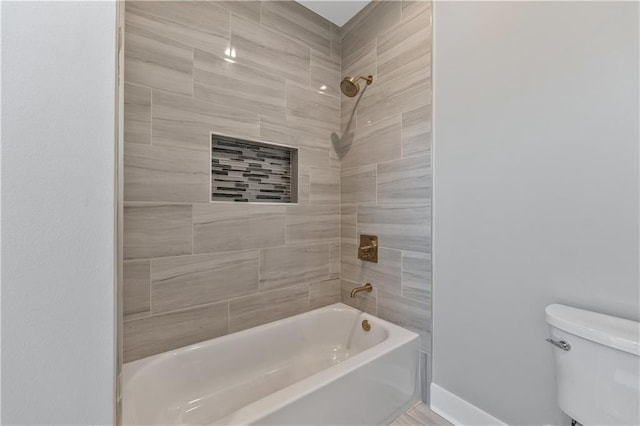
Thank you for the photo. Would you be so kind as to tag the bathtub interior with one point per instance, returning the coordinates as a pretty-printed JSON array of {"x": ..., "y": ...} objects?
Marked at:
[{"x": 205, "y": 382}]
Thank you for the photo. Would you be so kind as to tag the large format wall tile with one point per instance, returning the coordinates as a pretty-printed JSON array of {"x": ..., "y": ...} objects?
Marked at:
[
  {"x": 199, "y": 24},
  {"x": 384, "y": 275},
  {"x": 336, "y": 49},
  {"x": 296, "y": 131},
  {"x": 309, "y": 104},
  {"x": 312, "y": 223},
  {"x": 406, "y": 181},
  {"x": 324, "y": 293},
  {"x": 303, "y": 186},
  {"x": 334, "y": 158},
  {"x": 399, "y": 227},
  {"x": 378, "y": 141},
  {"x": 348, "y": 223},
  {"x": 137, "y": 114},
  {"x": 409, "y": 77},
  {"x": 407, "y": 313},
  {"x": 291, "y": 265},
  {"x": 369, "y": 23},
  {"x": 401, "y": 90},
  {"x": 416, "y": 276},
  {"x": 324, "y": 186},
  {"x": 298, "y": 22},
  {"x": 318, "y": 158},
  {"x": 202, "y": 16},
  {"x": 361, "y": 61},
  {"x": 363, "y": 301},
  {"x": 157, "y": 230},
  {"x": 157, "y": 62},
  {"x": 220, "y": 227},
  {"x": 404, "y": 44},
  {"x": 312, "y": 133},
  {"x": 246, "y": 9},
  {"x": 265, "y": 49},
  {"x": 334, "y": 259},
  {"x": 136, "y": 289},
  {"x": 358, "y": 184},
  {"x": 153, "y": 173},
  {"x": 185, "y": 281},
  {"x": 160, "y": 333},
  {"x": 184, "y": 122},
  {"x": 411, "y": 7},
  {"x": 249, "y": 311},
  {"x": 416, "y": 131},
  {"x": 238, "y": 86},
  {"x": 325, "y": 74}
]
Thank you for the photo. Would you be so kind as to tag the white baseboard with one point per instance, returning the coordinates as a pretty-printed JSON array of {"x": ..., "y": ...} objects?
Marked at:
[{"x": 458, "y": 411}]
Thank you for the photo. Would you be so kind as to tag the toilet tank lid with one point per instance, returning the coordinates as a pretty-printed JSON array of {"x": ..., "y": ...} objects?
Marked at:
[{"x": 618, "y": 333}]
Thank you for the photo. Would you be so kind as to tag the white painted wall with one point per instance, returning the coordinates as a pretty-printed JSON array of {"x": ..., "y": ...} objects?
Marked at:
[
  {"x": 338, "y": 12},
  {"x": 58, "y": 96},
  {"x": 536, "y": 189}
]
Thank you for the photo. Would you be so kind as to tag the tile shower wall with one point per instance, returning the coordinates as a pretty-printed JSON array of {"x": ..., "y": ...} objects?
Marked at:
[
  {"x": 385, "y": 152},
  {"x": 267, "y": 71}
]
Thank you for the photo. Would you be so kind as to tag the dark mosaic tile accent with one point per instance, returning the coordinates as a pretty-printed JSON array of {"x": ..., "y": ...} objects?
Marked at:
[{"x": 246, "y": 171}]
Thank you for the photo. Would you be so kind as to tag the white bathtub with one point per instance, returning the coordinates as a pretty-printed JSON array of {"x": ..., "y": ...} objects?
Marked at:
[{"x": 319, "y": 367}]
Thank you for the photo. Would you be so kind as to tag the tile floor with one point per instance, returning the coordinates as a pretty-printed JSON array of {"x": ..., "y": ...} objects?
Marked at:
[{"x": 420, "y": 415}]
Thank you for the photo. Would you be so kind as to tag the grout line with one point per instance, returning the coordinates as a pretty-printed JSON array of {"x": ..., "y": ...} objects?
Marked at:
[
  {"x": 219, "y": 302},
  {"x": 226, "y": 108},
  {"x": 186, "y": 255},
  {"x": 180, "y": 310},
  {"x": 136, "y": 316}
]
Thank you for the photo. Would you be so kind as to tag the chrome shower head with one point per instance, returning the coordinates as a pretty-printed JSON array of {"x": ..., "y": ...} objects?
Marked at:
[{"x": 350, "y": 86}]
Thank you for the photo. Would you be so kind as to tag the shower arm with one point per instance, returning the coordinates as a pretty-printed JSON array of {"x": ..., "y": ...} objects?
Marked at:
[{"x": 368, "y": 79}]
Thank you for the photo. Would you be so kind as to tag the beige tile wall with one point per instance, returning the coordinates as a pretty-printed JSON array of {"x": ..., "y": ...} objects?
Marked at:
[
  {"x": 386, "y": 165},
  {"x": 195, "y": 270}
]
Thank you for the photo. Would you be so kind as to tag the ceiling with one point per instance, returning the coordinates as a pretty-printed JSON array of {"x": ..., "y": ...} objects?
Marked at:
[{"x": 337, "y": 11}]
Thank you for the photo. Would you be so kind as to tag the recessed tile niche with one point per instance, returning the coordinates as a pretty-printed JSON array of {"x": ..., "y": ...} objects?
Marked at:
[{"x": 252, "y": 172}]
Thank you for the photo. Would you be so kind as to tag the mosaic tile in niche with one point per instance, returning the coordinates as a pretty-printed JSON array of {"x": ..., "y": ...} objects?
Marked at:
[{"x": 248, "y": 171}]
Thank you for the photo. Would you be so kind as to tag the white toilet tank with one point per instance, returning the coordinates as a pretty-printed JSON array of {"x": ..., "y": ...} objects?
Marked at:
[{"x": 597, "y": 366}]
